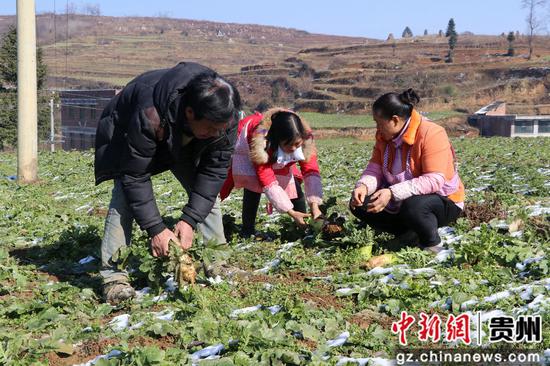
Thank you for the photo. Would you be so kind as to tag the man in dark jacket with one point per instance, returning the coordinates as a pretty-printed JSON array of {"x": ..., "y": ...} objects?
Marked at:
[{"x": 182, "y": 119}]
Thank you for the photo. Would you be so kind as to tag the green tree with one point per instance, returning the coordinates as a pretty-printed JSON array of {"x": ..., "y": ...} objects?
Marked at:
[
  {"x": 8, "y": 90},
  {"x": 453, "y": 38},
  {"x": 451, "y": 28},
  {"x": 8, "y": 61},
  {"x": 511, "y": 38},
  {"x": 407, "y": 33},
  {"x": 8, "y": 119},
  {"x": 8, "y": 58}
]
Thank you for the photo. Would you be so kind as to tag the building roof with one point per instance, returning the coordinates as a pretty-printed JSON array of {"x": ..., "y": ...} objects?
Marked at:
[
  {"x": 529, "y": 118},
  {"x": 81, "y": 101},
  {"x": 490, "y": 107}
]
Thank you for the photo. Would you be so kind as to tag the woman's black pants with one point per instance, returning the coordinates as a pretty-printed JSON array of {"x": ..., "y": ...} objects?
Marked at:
[
  {"x": 422, "y": 214},
  {"x": 251, "y": 201}
]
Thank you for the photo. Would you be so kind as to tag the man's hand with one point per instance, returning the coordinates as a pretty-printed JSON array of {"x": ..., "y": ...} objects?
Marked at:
[
  {"x": 299, "y": 218},
  {"x": 185, "y": 234},
  {"x": 358, "y": 196},
  {"x": 315, "y": 211},
  {"x": 379, "y": 200},
  {"x": 159, "y": 242}
]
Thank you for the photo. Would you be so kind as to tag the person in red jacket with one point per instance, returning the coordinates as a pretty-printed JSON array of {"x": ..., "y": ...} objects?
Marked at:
[{"x": 267, "y": 150}]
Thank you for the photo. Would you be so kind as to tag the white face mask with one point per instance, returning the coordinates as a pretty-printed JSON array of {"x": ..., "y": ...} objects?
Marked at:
[{"x": 284, "y": 158}]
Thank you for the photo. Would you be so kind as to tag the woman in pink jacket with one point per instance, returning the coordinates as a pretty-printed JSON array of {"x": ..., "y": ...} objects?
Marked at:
[
  {"x": 411, "y": 184},
  {"x": 266, "y": 153}
]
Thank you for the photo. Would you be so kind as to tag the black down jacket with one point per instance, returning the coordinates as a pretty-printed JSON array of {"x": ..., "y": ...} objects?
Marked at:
[{"x": 140, "y": 134}]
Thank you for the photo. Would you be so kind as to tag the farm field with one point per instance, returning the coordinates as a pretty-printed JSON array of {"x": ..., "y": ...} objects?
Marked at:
[
  {"x": 340, "y": 121},
  {"x": 304, "y": 298}
]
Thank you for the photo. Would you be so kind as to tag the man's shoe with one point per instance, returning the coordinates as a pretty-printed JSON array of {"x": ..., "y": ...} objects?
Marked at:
[
  {"x": 116, "y": 292},
  {"x": 223, "y": 270},
  {"x": 434, "y": 248}
]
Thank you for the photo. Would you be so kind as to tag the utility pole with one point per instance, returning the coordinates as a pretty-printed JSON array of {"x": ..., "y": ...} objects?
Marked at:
[
  {"x": 52, "y": 128},
  {"x": 27, "y": 114}
]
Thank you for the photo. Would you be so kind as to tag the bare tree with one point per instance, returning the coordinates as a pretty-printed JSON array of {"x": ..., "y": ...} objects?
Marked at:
[
  {"x": 70, "y": 8},
  {"x": 92, "y": 9},
  {"x": 534, "y": 23}
]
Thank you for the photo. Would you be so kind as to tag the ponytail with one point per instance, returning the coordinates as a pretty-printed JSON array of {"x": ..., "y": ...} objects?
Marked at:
[
  {"x": 393, "y": 104},
  {"x": 409, "y": 97}
]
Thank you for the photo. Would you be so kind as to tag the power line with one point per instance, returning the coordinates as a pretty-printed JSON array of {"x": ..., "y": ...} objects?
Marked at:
[
  {"x": 80, "y": 107},
  {"x": 83, "y": 96},
  {"x": 11, "y": 107}
]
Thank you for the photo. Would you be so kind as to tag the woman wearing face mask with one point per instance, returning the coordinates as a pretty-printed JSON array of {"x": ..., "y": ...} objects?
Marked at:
[
  {"x": 411, "y": 183},
  {"x": 266, "y": 153}
]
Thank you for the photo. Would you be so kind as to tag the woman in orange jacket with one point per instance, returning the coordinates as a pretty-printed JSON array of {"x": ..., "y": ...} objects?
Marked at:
[
  {"x": 267, "y": 151},
  {"x": 411, "y": 183}
]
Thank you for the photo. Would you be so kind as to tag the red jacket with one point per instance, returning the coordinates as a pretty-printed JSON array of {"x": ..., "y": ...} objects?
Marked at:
[{"x": 263, "y": 160}]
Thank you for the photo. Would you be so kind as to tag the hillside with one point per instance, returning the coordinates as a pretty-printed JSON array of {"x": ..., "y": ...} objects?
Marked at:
[
  {"x": 111, "y": 50},
  {"x": 348, "y": 78},
  {"x": 310, "y": 72}
]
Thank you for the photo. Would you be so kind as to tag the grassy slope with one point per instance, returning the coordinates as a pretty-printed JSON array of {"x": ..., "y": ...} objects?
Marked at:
[
  {"x": 326, "y": 120},
  {"x": 321, "y": 120}
]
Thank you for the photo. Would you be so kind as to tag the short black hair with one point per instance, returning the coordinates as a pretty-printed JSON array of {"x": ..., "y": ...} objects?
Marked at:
[
  {"x": 212, "y": 97},
  {"x": 286, "y": 127},
  {"x": 393, "y": 104}
]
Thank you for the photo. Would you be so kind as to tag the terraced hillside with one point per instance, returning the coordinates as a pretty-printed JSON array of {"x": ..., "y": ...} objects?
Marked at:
[
  {"x": 348, "y": 79},
  {"x": 90, "y": 50},
  {"x": 308, "y": 72}
]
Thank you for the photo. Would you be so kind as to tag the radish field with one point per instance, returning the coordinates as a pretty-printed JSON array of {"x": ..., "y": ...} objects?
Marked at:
[{"x": 301, "y": 298}]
